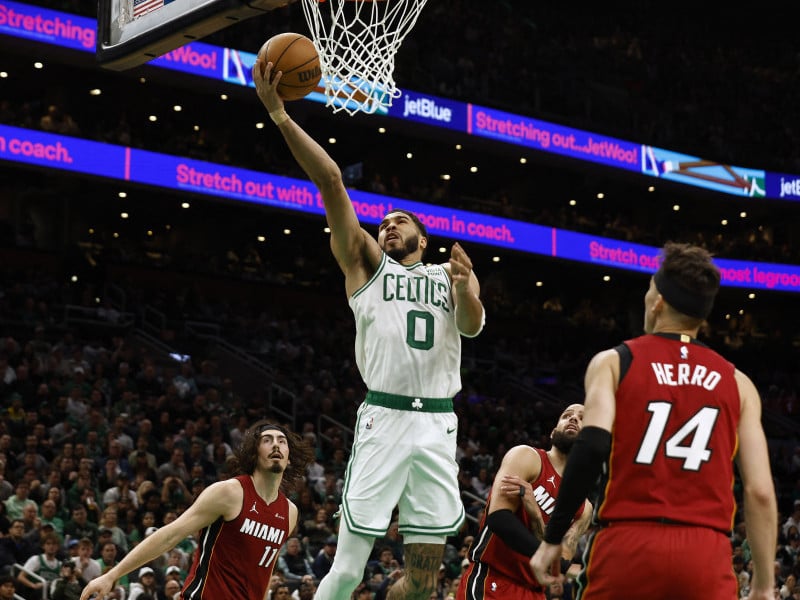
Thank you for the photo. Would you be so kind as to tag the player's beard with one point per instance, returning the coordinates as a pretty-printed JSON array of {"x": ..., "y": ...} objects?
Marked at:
[
  {"x": 563, "y": 441},
  {"x": 398, "y": 253},
  {"x": 276, "y": 468}
]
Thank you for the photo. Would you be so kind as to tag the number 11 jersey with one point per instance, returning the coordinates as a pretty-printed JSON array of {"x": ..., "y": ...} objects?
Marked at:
[{"x": 235, "y": 559}]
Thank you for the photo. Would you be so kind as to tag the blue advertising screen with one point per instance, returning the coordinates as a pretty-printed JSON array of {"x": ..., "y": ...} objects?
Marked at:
[
  {"x": 178, "y": 173},
  {"x": 234, "y": 66}
]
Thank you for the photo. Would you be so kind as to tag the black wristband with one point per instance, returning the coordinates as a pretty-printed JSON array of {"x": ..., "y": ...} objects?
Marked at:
[
  {"x": 585, "y": 462},
  {"x": 512, "y": 531},
  {"x": 565, "y": 565}
]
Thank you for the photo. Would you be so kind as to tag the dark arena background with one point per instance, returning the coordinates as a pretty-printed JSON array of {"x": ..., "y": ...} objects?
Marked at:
[{"x": 167, "y": 275}]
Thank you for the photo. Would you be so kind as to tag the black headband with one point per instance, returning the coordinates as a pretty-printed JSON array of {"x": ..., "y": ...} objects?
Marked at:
[
  {"x": 688, "y": 302},
  {"x": 267, "y": 426}
]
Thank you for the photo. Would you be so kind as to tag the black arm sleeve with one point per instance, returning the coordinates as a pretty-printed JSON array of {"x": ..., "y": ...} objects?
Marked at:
[
  {"x": 512, "y": 531},
  {"x": 583, "y": 468}
]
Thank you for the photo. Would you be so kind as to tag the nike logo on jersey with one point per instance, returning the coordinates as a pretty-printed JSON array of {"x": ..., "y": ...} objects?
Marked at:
[
  {"x": 551, "y": 480},
  {"x": 450, "y": 430},
  {"x": 253, "y": 508},
  {"x": 280, "y": 516}
]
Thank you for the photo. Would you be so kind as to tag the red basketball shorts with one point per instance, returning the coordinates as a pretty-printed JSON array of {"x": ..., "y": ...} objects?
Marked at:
[{"x": 658, "y": 562}]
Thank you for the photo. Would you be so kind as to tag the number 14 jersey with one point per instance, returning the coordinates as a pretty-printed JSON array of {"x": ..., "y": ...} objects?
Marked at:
[{"x": 675, "y": 435}]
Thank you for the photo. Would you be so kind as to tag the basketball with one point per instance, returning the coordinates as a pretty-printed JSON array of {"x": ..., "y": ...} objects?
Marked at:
[{"x": 293, "y": 54}]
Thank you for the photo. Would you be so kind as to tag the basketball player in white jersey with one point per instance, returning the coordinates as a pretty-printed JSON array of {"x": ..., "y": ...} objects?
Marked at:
[{"x": 409, "y": 319}]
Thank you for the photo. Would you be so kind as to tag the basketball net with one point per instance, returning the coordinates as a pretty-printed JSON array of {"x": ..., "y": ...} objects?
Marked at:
[{"x": 357, "y": 41}]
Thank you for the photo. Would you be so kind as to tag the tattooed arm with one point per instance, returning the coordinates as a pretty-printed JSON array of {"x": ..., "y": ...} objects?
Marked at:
[{"x": 579, "y": 526}]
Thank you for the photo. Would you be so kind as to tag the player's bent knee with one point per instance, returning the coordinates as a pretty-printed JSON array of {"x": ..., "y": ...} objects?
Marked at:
[{"x": 344, "y": 580}]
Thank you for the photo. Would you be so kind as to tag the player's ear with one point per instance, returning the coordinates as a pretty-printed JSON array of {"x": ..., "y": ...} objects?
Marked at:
[{"x": 423, "y": 242}]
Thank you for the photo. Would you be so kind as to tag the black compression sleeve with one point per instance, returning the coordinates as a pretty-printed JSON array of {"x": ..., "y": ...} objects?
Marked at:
[
  {"x": 512, "y": 531},
  {"x": 583, "y": 468}
]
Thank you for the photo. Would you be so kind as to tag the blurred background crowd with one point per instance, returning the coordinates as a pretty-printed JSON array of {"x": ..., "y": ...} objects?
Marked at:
[{"x": 133, "y": 352}]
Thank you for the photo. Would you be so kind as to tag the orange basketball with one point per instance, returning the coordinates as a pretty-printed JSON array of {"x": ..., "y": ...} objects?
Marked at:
[{"x": 293, "y": 54}]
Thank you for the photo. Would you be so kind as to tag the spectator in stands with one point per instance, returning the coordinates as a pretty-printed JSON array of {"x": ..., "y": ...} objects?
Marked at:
[
  {"x": 32, "y": 522},
  {"x": 293, "y": 562},
  {"x": 793, "y": 520},
  {"x": 57, "y": 121},
  {"x": 118, "y": 432},
  {"x": 393, "y": 540},
  {"x": 172, "y": 589},
  {"x": 173, "y": 572},
  {"x": 324, "y": 558},
  {"x": 197, "y": 457},
  {"x": 8, "y": 587},
  {"x": 146, "y": 586},
  {"x": 175, "y": 467},
  {"x": 108, "y": 558},
  {"x": 122, "y": 489},
  {"x": 317, "y": 531},
  {"x": 89, "y": 567},
  {"x": 14, "y": 548},
  {"x": 69, "y": 584},
  {"x": 46, "y": 565},
  {"x": 175, "y": 494},
  {"x": 109, "y": 522},
  {"x": 16, "y": 503},
  {"x": 6, "y": 489},
  {"x": 49, "y": 516},
  {"x": 386, "y": 562},
  {"x": 79, "y": 526}
]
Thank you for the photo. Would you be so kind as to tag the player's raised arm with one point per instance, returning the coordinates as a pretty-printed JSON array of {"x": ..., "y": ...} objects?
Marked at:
[
  {"x": 470, "y": 315},
  {"x": 348, "y": 240},
  {"x": 215, "y": 501}
]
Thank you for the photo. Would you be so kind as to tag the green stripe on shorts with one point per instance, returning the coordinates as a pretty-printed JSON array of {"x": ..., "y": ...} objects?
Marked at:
[{"x": 397, "y": 402}]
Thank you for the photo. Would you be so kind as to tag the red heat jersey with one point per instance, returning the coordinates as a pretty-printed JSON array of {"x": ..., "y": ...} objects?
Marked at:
[
  {"x": 675, "y": 435},
  {"x": 492, "y": 551},
  {"x": 235, "y": 559}
]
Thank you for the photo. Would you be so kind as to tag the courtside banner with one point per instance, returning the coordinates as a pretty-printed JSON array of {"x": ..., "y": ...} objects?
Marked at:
[
  {"x": 179, "y": 173},
  {"x": 556, "y": 139},
  {"x": 583, "y": 247},
  {"x": 62, "y": 152},
  {"x": 433, "y": 110},
  {"x": 783, "y": 186},
  {"x": 699, "y": 172},
  {"x": 48, "y": 26},
  {"x": 234, "y": 67}
]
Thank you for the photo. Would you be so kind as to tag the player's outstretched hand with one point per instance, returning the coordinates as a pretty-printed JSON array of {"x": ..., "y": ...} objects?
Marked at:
[
  {"x": 460, "y": 268},
  {"x": 97, "y": 588},
  {"x": 267, "y": 85},
  {"x": 546, "y": 564}
]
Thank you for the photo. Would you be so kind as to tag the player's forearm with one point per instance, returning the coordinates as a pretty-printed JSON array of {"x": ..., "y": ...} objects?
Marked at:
[
  {"x": 312, "y": 158},
  {"x": 761, "y": 518},
  {"x": 326, "y": 175},
  {"x": 469, "y": 313}
]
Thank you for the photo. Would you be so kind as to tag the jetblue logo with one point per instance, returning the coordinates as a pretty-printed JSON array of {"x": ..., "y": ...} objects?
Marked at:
[
  {"x": 427, "y": 108},
  {"x": 790, "y": 187}
]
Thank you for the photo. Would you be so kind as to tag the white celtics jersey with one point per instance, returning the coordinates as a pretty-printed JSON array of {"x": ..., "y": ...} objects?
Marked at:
[{"x": 407, "y": 342}]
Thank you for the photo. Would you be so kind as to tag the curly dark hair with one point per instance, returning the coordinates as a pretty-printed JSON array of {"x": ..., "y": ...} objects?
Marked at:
[
  {"x": 244, "y": 458},
  {"x": 691, "y": 267}
]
